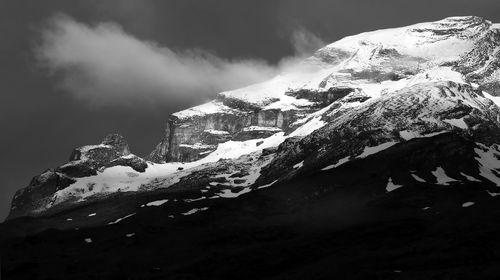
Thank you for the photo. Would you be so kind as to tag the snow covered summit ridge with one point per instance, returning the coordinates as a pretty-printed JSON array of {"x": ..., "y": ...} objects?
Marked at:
[{"x": 413, "y": 48}]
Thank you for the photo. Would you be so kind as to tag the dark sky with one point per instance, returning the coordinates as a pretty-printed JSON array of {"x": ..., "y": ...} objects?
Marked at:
[{"x": 40, "y": 123}]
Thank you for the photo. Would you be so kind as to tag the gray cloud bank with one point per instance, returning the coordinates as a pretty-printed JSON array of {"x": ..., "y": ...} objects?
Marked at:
[{"x": 103, "y": 64}]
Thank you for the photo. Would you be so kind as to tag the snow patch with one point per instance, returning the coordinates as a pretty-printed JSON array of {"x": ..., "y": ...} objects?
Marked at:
[
  {"x": 229, "y": 194},
  {"x": 493, "y": 194},
  {"x": 298, "y": 165},
  {"x": 196, "y": 146},
  {"x": 129, "y": 156},
  {"x": 216, "y": 132},
  {"x": 121, "y": 219},
  {"x": 267, "y": 185},
  {"x": 391, "y": 186},
  {"x": 204, "y": 109},
  {"x": 408, "y": 134},
  {"x": 261, "y": 128},
  {"x": 156, "y": 203},
  {"x": 441, "y": 177},
  {"x": 375, "y": 149},
  {"x": 434, "y": 133},
  {"x": 339, "y": 163},
  {"x": 468, "y": 204},
  {"x": 194, "y": 199},
  {"x": 489, "y": 161},
  {"x": 418, "y": 178},
  {"x": 460, "y": 123},
  {"x": 309, "y": 127},
  {"x": 495, "y": 99},
  {"x": 470, "y": 178},
  {"x": 192, "y": 211},
  {"x": 235, "y": 149}
]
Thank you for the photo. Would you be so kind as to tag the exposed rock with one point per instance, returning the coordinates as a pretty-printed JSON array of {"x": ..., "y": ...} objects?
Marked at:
[
  {"x": 481, "y": 65},
  {"x": 255, "y": 132},
  {"x": 239, "y": 181},
  {"x": 332, "y": 56},
  {"x": 78, "y": 169},
  {"x": 39, "y": 192},
  {"x": 87, "y": 160},
  {"x": 322, "y": 98},
  {"x": 112, "y": 147},
  {"x": 84, "y": 161},
  {"x": 239, "y": 174},
  {"x": 214, "y": 137},
  {"x": 194, "y": 136},
  {"x": 118, "y": 142},
  {"x": 381, "y": 121},
  {"x": 137, "y": 163},
  {"x": 268, "y": 151},
  {"x": 187, "y": 153}
]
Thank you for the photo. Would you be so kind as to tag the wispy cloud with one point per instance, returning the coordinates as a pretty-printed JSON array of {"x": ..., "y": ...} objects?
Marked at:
[
  {"x": 104, "y": 64},
  {"x": 305, "y": 42}
]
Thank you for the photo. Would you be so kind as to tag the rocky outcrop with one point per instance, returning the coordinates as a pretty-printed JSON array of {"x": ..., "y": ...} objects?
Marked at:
[
  {"x": 111, "y": 147},
  {"x": 191, "y": 136},
  {"x": 481, "y": 65},
  {"x": 392, "y": 119},
  {"x": 39, "y": 192},
  {"x": 467, "y": 27},
  {"x": 322, "y": 98},
  {"x": 133, "y": 161},
  {"x": 84, "y": 161}
]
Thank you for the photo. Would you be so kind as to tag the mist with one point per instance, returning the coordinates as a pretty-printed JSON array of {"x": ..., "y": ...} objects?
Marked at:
[{"x": 103, "y": 64}]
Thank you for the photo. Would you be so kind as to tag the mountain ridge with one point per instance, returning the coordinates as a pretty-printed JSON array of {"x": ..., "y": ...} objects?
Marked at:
[{"x": 360, "y": 85}]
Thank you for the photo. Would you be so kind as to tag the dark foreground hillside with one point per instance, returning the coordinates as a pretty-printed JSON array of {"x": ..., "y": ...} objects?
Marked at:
[{"x": 337, "y": 224}]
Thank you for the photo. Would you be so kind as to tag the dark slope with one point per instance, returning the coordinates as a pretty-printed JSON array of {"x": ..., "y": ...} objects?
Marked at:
[{"x": 337, "y": 224}]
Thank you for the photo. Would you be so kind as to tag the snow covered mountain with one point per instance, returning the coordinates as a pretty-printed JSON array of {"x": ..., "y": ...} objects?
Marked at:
[
  {"x": 376, "y": 158},
  {"x": 385, "y": 90}
]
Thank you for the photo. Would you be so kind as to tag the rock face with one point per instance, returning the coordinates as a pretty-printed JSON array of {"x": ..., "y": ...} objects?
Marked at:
[
  {"x": 402, "y": 89},
  {"x": 352, "y": 63},
  {"x": 481, "y": 65},
  {"x": 419, "y": 111},
  {"x": 191, "y": 134},
  {"x": 84, "y": 161}
]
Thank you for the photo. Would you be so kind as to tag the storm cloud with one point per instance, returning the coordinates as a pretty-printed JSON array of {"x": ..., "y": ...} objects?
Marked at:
[{"x": 103, "y": 64}]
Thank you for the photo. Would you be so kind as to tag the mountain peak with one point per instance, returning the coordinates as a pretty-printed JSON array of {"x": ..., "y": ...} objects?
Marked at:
[{"x": 117, "y": 141}]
